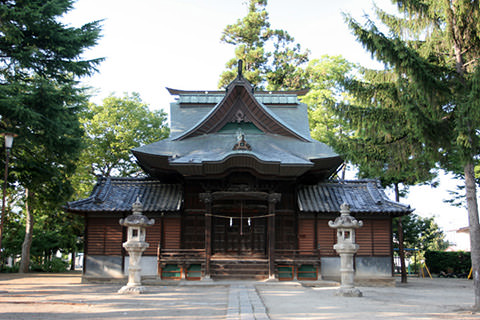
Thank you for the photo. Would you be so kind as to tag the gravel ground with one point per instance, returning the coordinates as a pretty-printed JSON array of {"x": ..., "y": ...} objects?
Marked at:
[{"x": 63, "y": 296}]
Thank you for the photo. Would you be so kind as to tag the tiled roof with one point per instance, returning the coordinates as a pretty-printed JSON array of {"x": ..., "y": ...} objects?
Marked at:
[
  {"x": 269, "y": 154},
  {"x": 363, "y": 196},
  {"x": 118, "y": 195}
]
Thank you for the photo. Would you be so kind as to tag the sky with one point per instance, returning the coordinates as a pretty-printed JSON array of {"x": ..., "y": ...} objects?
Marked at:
[{"x": 149, "y": 45}]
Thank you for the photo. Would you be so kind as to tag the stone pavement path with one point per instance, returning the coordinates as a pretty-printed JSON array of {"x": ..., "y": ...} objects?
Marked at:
[
  {"x": 244, "y": 303},
  {"x": 64, "y": 297}
]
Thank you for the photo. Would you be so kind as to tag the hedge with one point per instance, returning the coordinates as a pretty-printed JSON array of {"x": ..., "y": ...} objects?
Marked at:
[{"x": 450, "y": 262}]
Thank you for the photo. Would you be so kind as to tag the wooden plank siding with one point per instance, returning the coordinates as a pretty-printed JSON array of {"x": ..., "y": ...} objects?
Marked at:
[
  {"x": 364, "y": 238},
  {"x": 327, "y": 237},
  {"x": 153, "y": 237},
  {"x": 172, "y": 233},
  {"x": 374, "y": 238},
  {"x": 306, "y": 236},
  {"x": 382, "y": 237},
  {"x": 285, "y": 235},
  {"x": 104, "y": 237}
]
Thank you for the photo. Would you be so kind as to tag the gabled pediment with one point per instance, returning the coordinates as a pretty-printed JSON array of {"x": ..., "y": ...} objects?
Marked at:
[{"x": 240, "y": 106}]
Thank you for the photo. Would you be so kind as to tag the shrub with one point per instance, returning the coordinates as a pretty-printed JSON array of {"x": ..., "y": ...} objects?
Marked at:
[
  {"x": 55, "y": 265},
  {"x": 450, "y": 262}
]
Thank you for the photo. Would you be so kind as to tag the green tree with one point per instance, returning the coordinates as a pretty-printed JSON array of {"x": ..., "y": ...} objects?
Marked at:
[
  {"x": 421, "y": 233},
  {"x": 271, "y": 58},
  {"x": 379, "y": 137},
  {"x": 112, "y": 129},
  {"x": 415, "y": 232},
  {"x": 434, "y": 51},
  {"x": 41, "y": 60},
  {"x": 324, "y": 77}
]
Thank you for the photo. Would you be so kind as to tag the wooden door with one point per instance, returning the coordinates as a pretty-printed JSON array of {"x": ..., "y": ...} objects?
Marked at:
[{"x": 239, "y": 236}]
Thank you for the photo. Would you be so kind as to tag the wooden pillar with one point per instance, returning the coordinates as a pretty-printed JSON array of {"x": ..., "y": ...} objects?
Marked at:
[
  {"x": 160, "y": 244},
  {"x": 207, "y": 199},
  {"x": 273, "y": 198},
  {"x": 85, "y": 243}
]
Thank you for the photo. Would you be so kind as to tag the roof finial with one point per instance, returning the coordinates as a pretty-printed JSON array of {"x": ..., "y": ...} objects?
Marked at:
[{"x": 240, "y": 68}]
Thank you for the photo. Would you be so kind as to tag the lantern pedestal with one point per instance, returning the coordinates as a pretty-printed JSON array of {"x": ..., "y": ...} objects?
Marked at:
[
  {"x": 135, "y": 250},
  {"x": 347, "y": 273}
]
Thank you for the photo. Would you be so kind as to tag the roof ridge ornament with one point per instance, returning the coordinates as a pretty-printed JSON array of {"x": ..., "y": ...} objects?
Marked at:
[{"x": 241, "y": 142}]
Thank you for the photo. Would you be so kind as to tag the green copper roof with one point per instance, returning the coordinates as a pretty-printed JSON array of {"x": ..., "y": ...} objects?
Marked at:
[{"x": 236, "y": 129}]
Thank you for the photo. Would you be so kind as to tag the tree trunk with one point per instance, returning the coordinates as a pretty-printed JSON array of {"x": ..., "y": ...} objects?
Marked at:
[
  {"x": 27, "y": 242},
  {"x": 468, "y": 169},
  {"x": 472, "y": 207},
  {"x": 401, "y": 249},
  {"x": 72, "y": 265}
]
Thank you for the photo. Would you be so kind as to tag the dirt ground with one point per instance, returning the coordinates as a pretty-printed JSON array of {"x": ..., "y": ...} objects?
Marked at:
[{"x": 63, "y": 296}]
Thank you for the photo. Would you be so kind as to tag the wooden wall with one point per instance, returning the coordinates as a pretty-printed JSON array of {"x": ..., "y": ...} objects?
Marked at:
[
  {"x": 104, "y": 237},
  {"x": 306, "y": 235},
  {"x": 193, "y": 231},
  {"x": 327, "y": 237},
  {"x": 153, "y": 238},
  {"x": 374, "y": 238},
  {"x": 285, "y": 231},
  {"x": 172, "y": 233}
]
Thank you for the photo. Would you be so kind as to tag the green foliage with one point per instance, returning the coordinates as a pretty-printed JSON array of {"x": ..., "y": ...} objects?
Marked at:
[
  {"x": 111, "y": 131},
  {"x": 377, "y": 133},
  {"x": 324, "y": 81},
  {"x": 35, "y": 42},
  {"x": 55, "y": 265},
  {"x": 434, "y": 53},
  {"x": 14, "y": 233},
  {"x": 12, "y": 269},
  {"x": 54, "y": 230},
  {"x": 448, "y": 262},
  {"x": 421, "y": 233},
  {"x": 41, "y": 61},
  {"x": 270, "y": 56},
  {"x": 433, "y": 50}
]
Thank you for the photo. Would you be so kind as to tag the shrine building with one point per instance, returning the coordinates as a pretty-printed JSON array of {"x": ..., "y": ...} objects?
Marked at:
[{"x": 239, "y": 190}]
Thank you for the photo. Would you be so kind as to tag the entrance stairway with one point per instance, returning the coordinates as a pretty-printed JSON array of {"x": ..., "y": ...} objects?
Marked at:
[{"x": 239, "y": 268}]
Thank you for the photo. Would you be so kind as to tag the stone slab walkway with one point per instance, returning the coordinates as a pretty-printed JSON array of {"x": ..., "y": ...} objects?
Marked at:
[{"x": 244, "y": 303}]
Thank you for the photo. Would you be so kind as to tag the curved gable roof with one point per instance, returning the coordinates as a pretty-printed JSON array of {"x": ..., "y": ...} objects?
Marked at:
[{"x": 239, "y": 104}]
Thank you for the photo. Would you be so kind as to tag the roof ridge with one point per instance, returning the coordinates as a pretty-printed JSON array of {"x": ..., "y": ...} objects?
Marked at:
[
  {"x": 103, "y": 191},
  {"x": 352, "y": 181},
  {"x": 177, "y": 92}
]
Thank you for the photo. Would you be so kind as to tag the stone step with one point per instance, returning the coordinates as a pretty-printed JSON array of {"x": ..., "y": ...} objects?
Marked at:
[
  {"x": 239, "y": 276},
  {"x": 252, "y": 269}
]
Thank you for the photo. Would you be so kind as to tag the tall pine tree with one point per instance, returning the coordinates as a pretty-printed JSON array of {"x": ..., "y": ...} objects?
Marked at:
[
  {"x": 41, "y": 60},
  {"x": 433, "y": 51},
  {"x": 272, "y": 60}
]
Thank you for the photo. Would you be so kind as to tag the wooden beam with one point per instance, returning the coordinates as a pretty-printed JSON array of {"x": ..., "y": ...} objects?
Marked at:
[{"x": 207, "y": 199}]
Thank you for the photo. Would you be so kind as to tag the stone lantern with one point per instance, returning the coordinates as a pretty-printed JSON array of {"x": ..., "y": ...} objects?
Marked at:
[
  {"x": 346, "y": 247},
  {"x": 135, "y": 246}
]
